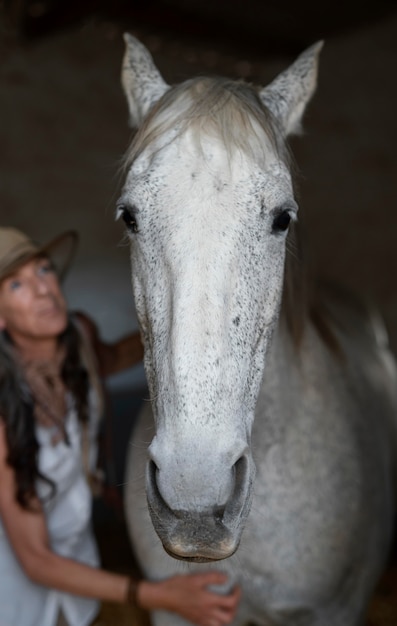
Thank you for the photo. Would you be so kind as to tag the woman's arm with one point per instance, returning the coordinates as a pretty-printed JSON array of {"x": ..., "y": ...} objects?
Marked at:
[{"x": 27, "y": 533}]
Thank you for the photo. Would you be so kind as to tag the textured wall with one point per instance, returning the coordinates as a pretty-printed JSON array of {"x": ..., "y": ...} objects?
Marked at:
[{"x": 63, "y": 130}]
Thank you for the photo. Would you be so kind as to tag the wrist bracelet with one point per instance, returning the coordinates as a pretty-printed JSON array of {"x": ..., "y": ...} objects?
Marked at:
[{"x": 132, "y": 592}]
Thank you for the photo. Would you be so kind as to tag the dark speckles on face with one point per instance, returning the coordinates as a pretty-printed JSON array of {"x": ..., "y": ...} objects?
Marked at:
[
  {"x": 203, "y": 249},
  {"x": 218, "y": 185}
]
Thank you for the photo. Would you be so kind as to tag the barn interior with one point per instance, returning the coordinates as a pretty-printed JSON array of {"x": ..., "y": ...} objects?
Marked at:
[{"x": 63, "y": 132}]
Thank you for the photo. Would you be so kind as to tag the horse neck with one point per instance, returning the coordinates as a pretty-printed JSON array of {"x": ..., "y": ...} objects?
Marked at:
[{"x": 303, "y": 302}]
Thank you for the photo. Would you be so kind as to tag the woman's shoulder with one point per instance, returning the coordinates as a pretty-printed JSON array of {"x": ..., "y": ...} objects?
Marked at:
[
  {"x": 86, "y": 325},
  {"x": 88, "y": 333},
  {"x": 90, "y": 353}
]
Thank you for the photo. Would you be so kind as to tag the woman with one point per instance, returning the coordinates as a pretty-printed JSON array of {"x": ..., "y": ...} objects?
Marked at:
[{"x": 50, "y": 404}]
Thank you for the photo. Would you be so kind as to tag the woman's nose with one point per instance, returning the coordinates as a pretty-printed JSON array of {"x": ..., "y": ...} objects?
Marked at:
[{"x": 41, "y": 285}]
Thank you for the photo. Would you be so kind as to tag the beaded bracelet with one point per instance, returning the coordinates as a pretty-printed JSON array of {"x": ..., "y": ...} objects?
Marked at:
[{"x": 132, "y": 592}]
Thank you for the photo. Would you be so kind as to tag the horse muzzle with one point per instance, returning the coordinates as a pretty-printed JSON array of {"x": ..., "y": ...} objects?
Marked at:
[{"x": 210, "y": 534}]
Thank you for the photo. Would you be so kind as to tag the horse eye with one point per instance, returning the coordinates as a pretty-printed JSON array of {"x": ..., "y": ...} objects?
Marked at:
[
  {"x": 281, "y": 221},
  {"x": 129, "y": 219}
]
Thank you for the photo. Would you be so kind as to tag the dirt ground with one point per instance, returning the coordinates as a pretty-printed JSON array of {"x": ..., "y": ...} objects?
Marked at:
[{"x": 63, "y": 130}]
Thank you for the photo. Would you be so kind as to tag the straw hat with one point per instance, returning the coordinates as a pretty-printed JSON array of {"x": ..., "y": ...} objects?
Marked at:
[{"x": 16, "y": 249}]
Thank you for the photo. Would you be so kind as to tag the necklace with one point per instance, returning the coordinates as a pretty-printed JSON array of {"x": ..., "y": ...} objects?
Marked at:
[{"x": 49, "y": 394}]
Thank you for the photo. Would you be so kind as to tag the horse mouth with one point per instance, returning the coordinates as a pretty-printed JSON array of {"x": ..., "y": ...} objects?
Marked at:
[
  {"x": 195, "y": 559},
  {"x": 183, "y": 544},
  {"x": 201, "y": 536}
]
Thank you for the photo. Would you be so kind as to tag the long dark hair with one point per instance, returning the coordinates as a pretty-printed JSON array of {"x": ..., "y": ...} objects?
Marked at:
[{"x": 17, "y": 410}]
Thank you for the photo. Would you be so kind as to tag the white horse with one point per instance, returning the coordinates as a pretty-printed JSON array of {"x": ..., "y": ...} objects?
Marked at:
[{"x": 273, "y": 440}]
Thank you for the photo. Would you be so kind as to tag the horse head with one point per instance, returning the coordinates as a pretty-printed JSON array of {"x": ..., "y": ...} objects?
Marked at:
[{"x": 207, "y": 202}]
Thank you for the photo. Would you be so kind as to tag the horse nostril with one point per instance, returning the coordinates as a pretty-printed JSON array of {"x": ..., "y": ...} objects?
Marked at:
[
  {"x": 240, "y": 472},
  {"x": 153, "y": 471},
  {"x": 153, "y": 490},
  {"x": 152, "y": 475},
  {"x": 242, "y": 481},
  {"x": 218, "y": 513}
]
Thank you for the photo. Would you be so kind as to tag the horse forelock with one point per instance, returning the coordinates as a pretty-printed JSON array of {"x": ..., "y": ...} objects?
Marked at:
[{"x": 230, "y": 110}]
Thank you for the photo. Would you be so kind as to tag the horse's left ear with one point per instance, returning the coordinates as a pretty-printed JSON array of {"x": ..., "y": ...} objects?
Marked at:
[
  {"x": 142, "y": 82},
  {"x": 287, "y": 96}
]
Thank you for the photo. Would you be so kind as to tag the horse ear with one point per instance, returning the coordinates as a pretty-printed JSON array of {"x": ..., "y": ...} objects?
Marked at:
[
  {"x": 287, "y": 96},
  {"x": 142, "y": 82}
]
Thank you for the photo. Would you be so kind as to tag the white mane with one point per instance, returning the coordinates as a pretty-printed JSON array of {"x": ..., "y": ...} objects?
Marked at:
[{"x": 230, "y": 110}]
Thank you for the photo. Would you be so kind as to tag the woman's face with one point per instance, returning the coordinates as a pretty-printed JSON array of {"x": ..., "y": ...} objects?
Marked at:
[{"x": 32, "y": 306}]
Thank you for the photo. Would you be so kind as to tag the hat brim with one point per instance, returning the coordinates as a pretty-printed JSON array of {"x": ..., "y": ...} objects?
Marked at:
[{"x": 60, "y": 250}]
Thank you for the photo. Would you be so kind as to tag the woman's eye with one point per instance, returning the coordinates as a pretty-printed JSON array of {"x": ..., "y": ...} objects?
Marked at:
[
  {"x": 129, "y": 219},
  {"x": 281, "y": 221},
  {"x": 15, "y": 284},
  {"x": 45, "y": 268}
]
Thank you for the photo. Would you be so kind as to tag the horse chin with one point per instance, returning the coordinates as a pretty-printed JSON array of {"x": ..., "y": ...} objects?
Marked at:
[
  {"x": 197, "y": 559},
  {"x": 188, "y": 541}
]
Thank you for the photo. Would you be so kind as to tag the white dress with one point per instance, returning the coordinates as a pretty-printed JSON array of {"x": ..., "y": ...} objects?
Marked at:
[{"x": 68, "y": 517}]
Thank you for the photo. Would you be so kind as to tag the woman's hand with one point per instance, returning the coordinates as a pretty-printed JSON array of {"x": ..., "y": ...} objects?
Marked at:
[{"x": 189, "y": 596}]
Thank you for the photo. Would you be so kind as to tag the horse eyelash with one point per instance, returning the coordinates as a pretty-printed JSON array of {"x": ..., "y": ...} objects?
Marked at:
[
  {"x": 281, "y": 222},
  {"x": 128, "y": 217},
  {"x": 282, "y": 218}
]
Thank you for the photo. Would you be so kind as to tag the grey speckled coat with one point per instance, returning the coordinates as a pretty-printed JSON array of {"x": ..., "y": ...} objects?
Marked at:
[{"x": 268, "y": 455}]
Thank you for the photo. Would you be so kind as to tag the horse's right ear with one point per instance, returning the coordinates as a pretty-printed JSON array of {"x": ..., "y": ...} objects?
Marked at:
[{"x": 142, "y": 82}]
